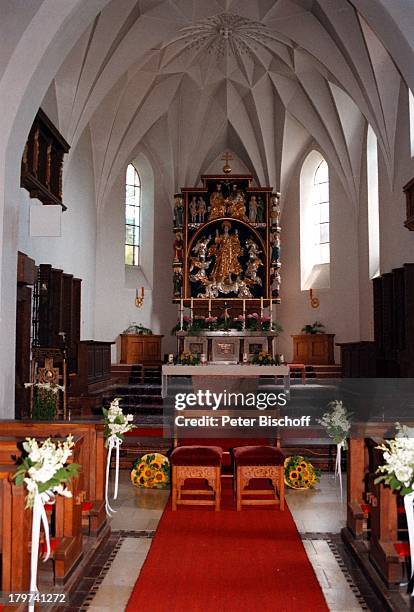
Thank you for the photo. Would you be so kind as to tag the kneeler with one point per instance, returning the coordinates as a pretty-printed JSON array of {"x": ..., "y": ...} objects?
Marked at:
[{"x": 196, "y": 462}]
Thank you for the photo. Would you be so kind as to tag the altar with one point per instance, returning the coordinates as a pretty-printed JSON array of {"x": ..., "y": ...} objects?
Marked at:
[{"x": 241, "y": 370}]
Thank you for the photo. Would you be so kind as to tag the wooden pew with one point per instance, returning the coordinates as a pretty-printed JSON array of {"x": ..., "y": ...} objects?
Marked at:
[
  {"x": 93, "y": 461},
  {"x": 15, "y": 519},
  {"x": 67, "y": 511},
  {"x": 376, "y": 528}
]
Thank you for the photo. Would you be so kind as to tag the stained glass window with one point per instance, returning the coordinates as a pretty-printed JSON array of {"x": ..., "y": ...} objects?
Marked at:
[{"x": 132, "y": 216}]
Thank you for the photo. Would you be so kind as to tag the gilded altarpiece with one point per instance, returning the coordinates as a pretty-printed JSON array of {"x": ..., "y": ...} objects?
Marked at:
[{"x": 226, "y": 242}]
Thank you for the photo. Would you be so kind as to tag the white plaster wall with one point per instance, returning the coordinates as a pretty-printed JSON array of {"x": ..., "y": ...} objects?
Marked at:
[
  {"x": 74, "y": 251},
  {"x": 116, "y": 283},
  {"x": 339, "y": 305}
]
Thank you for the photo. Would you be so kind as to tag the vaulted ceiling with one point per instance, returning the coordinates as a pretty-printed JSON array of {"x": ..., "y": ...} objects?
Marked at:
[{"x": 186, "y": 79}]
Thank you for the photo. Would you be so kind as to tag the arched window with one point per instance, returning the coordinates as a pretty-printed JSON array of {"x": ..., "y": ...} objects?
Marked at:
[
  {"x": 373, "y": 204},
  {"x": 314, "y": 223},
  {"x": 321, "y": 213},
  {"x": 132, "y": 217}
]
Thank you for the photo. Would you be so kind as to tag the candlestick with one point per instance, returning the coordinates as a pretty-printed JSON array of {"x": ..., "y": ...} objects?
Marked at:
[
  {"x": 181, "y": 313},
  {"x": 244, "y": 315},
  {"x": 191, "y": 309},
  {"x": 209, "y": 308},
  {"x": 261, "y": 306}
]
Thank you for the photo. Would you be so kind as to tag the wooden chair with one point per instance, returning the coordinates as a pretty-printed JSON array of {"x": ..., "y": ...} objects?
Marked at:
[
  {"x": 196, "y": 462},
  {"x": 259, "y": 462}
]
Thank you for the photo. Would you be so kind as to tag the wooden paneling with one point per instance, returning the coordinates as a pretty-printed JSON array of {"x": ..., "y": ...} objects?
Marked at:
[
  {"x": 141, "y": 349},
  {"x": 314, "y": 349},
  {"x": 358, "y": 359}
]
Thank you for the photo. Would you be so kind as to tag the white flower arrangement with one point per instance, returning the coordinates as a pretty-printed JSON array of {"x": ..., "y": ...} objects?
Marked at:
[
  {"x": 398, "y": 469},
  {"x": 45, "y": 470},
  {"x": 116, "y": 422},
  {"x": 53, "y": 387},
  {"x": 337, "y": 422}
]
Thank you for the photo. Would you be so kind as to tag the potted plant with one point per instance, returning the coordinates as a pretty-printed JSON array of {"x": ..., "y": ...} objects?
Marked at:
[{"x": 314, "y": 328}]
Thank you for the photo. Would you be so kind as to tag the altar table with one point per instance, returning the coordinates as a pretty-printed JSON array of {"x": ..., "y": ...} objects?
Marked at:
[{"x": 226, "y": 370}]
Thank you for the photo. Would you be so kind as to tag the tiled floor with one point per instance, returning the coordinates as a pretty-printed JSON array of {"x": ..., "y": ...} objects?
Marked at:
[{"x": 319, "y": 515}]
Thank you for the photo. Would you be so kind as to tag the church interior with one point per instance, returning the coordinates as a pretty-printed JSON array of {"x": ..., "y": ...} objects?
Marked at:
[{"x": 207, "y": 305}]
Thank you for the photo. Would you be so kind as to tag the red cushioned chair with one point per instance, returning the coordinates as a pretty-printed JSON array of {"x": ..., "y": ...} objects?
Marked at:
[
  {"x": 196, "y": 462},
  {"x": 259, "y": 462}
]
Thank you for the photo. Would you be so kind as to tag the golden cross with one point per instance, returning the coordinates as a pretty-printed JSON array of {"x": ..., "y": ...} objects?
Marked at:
[{"x": 227, "y": 157}]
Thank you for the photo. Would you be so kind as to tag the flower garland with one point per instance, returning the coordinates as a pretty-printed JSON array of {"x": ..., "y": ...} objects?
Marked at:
[
  {"x": 398, "y": 473},
  {"x": 116, "y": 425},
  {"x": 337, "y": 424},
  {"x": 188, "y": 359},
  {"x": 45, "y": 472},
  {"x": 44, "y": 400}
]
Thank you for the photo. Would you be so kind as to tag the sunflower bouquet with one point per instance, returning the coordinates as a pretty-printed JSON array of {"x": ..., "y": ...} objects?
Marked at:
[
  {"x": 300, "y": 473},
  {"x": 188, "y": 359},
  {"x": 152, "y": 471},
  {"x": 263, "y": 358}
]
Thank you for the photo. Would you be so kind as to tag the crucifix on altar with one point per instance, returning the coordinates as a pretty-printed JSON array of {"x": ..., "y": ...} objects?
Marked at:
[{"x": 226, "y": 158}]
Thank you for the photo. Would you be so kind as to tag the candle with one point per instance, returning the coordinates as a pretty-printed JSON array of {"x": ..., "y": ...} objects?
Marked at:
[
  {"x": 170, "y": 358},
  {"x": 203, "y": 358},
  {"x": 191, "y": 308},
  {"x": 209, "y": 308},
  {"x": 181, "y": 313},
  {"x": 244, "y": 315},
  {"x": 245, "y": 358},
  {"x": 271, "y": 314},
  {"x": 261, "y": 306}
]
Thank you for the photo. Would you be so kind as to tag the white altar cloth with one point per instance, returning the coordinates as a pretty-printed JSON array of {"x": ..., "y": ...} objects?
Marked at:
[{"x": 242, "y": 370}]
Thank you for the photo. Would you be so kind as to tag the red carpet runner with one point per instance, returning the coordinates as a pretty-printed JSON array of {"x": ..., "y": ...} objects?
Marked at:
[{"x": 228, "y": 561}]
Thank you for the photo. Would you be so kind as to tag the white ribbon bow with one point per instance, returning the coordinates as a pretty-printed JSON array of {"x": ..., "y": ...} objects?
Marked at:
[
  {"x": 39, "y": 518},
  {"x": 409, "y": 511},
  {"x": 113, "y": 442},
  {"x": 338, "y": 471}
]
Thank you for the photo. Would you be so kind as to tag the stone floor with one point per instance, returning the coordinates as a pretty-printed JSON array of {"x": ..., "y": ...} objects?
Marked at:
[{"x": 319, "y": 516}]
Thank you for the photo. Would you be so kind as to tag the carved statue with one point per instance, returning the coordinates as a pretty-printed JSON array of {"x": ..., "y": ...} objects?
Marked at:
[
  {"x": 227, "y": 251},
  {"x": 199, "y": 262},
  {"x": 201, "y": 208},
  {"x": 260, "y": 217},
  {"x": 193, "y": 206},
  {"x": 254, "y": 262},
  {"x": 275, "y": 282},
  {"x": 253, "y": 209},
  {"x": 177, "y": 282},
  {"x": 275, "y": 210},
  {"x": 178, "y": 248},
  {"x": 275, "y": 247},
  {"x": 178, "y": 210},
  {"x": 217, "y": 203},
  {"x": 236, "y": 204}
]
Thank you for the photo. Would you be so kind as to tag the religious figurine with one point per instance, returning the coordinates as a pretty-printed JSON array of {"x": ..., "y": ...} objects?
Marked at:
[
  {"x": 236, "y": 204},
  {"x": 275, "y": 210},
  {"x": 260, "y": 217},
  {"x": 199, "y": 262},
  {"x": 178, "y": 210},
  {"x": 275, "y": 247},
  {"x": 177, "y": 281},
  {"x": 253, "y": 209},
  {"x": 217, "y": 204},
  {"x": 178, "y": 248},
  {"x": 193, "y": 206},
  {"x": 275, "y": 280},
  {"x": 227, "y": 251},
  {"x": 254, "y": 262},
  {"x": 201, "y": 208}
]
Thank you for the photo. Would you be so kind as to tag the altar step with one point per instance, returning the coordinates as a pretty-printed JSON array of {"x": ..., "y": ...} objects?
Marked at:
[
  {"x": 319, "y": 371},
  {"x": 138, "y": 387}
]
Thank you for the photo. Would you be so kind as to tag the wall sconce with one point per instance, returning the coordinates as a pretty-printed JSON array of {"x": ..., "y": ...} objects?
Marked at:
[
  {"x": 139, "y": 299},
  {"x": 313, "y": 300}
]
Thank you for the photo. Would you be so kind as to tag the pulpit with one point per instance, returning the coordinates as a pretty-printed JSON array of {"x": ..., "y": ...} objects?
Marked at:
[
  {"x": 314, "y": 349},
  {"x": 140, "y": 348}
]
